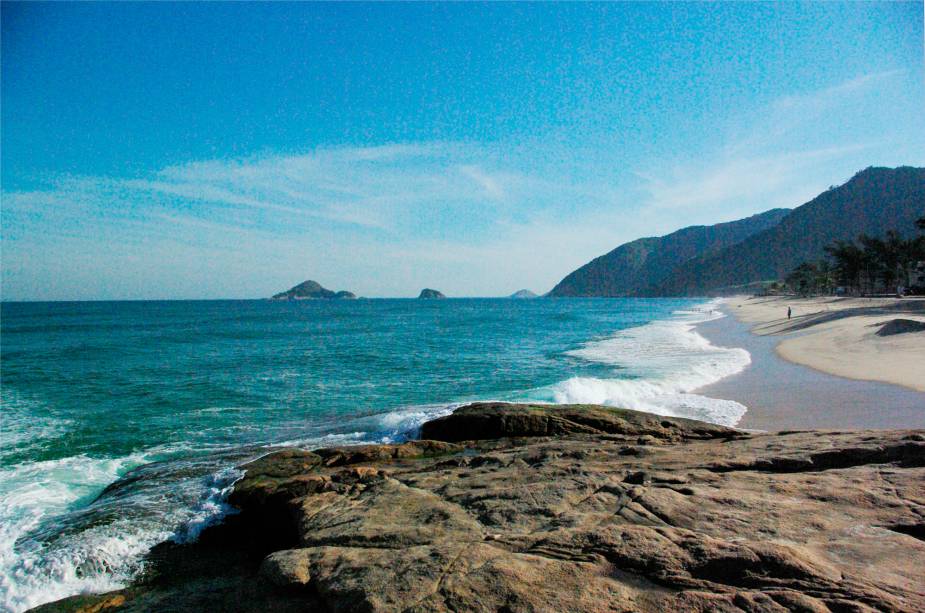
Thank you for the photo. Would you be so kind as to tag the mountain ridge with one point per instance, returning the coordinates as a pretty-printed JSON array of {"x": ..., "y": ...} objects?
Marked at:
[
  {"x": 632, "y": 268},
  {"x": 760, "y": 248},
  {"x": 872, "y": 202}
]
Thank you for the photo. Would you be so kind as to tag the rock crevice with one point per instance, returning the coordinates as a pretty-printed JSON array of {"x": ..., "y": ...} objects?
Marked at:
[{"x": 503, "y": 507}]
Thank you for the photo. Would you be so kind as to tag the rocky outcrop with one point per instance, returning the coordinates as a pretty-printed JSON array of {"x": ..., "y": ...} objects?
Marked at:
[
  {"x": 428, "y": 293},
  {"x": 312, "y": 290},
  {"x": 563, "y": 508}
]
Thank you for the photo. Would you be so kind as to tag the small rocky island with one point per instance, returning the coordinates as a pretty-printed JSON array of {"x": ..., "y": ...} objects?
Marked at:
[
  {"x": 429, "y": 294},
  {"x": 312, "y": 290},
  {"x": 504, "y": 507},
  {"x": 523, "y": 293}
]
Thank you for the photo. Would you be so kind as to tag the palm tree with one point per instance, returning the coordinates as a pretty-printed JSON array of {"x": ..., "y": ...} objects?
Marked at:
[
  {"x": 849, "y": 263},
  {"x": 802, "y": 279},
  {"x": 825, "y": 280}
]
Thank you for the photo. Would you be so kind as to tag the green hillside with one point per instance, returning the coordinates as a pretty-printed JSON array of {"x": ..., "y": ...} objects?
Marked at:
[
  {"x": 873, "y": 201},
  {"x": 634, "y": 267}
]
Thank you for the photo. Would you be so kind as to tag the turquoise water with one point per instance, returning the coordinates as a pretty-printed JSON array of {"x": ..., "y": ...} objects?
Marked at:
[{"x": 122, "y": 422}]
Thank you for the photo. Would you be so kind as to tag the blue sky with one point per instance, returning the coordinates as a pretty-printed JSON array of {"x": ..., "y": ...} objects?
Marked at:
[{"x": 233, "y": 150}]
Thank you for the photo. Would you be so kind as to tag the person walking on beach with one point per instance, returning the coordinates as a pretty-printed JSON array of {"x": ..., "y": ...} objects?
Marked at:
[{"x": 788, "y": 312}]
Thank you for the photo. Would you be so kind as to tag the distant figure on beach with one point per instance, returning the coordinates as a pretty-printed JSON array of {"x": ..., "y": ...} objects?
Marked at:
[{"x": 788, "y": 312}]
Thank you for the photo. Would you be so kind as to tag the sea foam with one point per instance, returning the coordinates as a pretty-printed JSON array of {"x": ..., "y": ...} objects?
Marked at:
[
  {"x": 84, "y": 524},
  {"x": 53, "y": 544},
  {"x": 656, "y": 367}
]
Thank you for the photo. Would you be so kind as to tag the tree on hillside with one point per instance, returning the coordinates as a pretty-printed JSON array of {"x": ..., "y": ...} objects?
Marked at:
[
  {"x": 889, "y": 257},
  {"x": 803, "y": 279},
  {"x": 826, "y": 277},
  {"x": 849, "y": 263},
  {"x": 876, "y": 264}
]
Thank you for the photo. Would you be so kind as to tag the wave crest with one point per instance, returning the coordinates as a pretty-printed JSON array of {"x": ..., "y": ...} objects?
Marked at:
[{"x": 656, "y": 367}]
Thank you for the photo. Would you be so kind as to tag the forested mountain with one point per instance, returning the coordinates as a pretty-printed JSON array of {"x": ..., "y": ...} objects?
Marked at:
[
  {"x": 635, "y": 267},
  {"x": 872, "y": 202},
  {"x": 703, "y": 260}
]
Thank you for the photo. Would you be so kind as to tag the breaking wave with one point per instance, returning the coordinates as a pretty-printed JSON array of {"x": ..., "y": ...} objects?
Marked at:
[{"x": 656, "y": 367}]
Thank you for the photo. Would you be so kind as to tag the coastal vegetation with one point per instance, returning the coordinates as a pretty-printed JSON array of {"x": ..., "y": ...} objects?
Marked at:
[{"x": 865, "y": 265}]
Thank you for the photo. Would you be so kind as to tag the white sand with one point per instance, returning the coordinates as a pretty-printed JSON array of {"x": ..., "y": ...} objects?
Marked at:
[{"x": 838, "y": 335}]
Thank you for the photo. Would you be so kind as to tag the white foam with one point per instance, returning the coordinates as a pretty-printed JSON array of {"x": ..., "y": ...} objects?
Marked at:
[
  {"x": 211, "y": 507},
  {"x": 407, "y": 421},
  {"x": 394, "y": 426},
  {"x": 26, "y": 427},
  {"x": 656, "y": 367},
  {"x": 48, "y": 551},
  {"x": 31, "y": 573}
]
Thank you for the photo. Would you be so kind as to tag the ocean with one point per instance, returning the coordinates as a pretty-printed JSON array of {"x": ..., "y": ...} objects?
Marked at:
[{"x": 123, "y": 422}]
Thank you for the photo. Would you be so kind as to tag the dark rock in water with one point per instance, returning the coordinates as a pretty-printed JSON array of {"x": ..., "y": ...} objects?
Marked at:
[
  {"x": 430, "y": 293},
  {"x": 542, "y": 508},
  {"x": 523, "y": 293},
  {"x": 490, "y": 420},
  {"x": 312, "y": 290},
  {"x": 900, "y": 326}
]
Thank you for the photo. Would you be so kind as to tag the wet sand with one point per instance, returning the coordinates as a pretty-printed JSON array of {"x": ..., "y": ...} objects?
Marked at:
[
  {"x": 782, "y": 395},
  {"x": 844, "y": 336}
]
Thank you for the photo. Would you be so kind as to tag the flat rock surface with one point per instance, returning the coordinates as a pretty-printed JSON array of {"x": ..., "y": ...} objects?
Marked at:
[{"x": 568, "y": 508}]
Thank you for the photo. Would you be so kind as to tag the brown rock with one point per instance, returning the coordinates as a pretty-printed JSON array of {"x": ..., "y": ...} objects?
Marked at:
[
  {"x": 561, "y": 509},
  {"x": 286, "y": 568}
]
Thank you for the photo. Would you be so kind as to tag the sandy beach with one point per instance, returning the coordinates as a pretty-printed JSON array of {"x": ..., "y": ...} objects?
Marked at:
[
  {"x": 784, "y": 394},
  {"x": 848, "y": 337}
]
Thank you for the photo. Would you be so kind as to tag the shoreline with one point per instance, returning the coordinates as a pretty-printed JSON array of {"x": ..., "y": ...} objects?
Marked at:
[
  {"x": 844, "y": 336},
  {"x": 657, "y": 514},
  {"x": 785, "y": 395},
  {"x": 767, "y": 411}
]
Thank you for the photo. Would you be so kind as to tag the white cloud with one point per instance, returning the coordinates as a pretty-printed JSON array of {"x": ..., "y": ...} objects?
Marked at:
[
  {"x": 736, "y": 184},
  {"x": 377, "y": 217},
  {"x": 492, "y": 185},
  {"x": 779, "y": 155},
  {"x": 469, "y": 219},
  {"x": 827, "y": 96}
]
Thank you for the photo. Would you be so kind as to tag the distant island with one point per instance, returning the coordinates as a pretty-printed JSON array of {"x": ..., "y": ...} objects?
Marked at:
[
  {"x": 523, "y": 293},
  {"x": 429, "y": 294},
  {"x": 312, "y": 290}
]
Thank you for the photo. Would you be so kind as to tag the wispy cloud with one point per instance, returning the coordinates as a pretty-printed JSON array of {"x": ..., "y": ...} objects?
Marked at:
[
  {"x": 780, "y": 154},
  {"x": 826, "y": 96},
  {"x": 738, "y": 181},
  {"x": 424, "y": 206},
  {"x": 831, "y": 113},
  {"x": 384, "y": 220}
]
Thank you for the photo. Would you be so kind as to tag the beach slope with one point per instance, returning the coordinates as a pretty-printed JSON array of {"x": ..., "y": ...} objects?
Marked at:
[{"x": 876, "y": 339}]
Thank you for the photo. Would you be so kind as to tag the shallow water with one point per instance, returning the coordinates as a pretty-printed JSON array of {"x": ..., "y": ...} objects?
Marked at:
[
  {"x": 122, "y": 422},
  {"x": 781, "y": 395}
]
